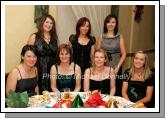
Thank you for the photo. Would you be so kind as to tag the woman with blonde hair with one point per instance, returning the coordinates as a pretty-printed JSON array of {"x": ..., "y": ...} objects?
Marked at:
[
  {"x": 138, "y": 87},
  {"x": 100, "y": 76}
]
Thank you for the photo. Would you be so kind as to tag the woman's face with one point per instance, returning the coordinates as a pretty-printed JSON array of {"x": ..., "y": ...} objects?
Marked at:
[
  {"x": 84, "y": 28},
  {"x": 29, "y": 58},
  {"x": 48, "y": 24},
  {"x": 64, "y": 56},
  {"x": 139, "y": 60},
  {"x": 111, "y": 24},
  {"x": 99, "y": 59}
]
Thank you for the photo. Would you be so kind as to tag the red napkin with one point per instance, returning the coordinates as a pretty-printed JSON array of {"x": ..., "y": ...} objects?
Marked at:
[
  {"x": 63, "y": 103},
  {"x": 95, "y": 100}
]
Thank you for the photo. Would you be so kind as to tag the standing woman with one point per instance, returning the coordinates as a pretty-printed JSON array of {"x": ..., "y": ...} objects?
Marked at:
[
  {"x": 83, "y": 45},
  {"x": 100, "y": 76},
  {"x": 46, "y": 43},
  {"x": 138, "y": 87},
  {"x": 113, "y": 43}
]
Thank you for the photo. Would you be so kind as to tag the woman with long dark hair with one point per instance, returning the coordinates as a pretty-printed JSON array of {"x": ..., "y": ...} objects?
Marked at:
[{"x": 46, "y": 43}]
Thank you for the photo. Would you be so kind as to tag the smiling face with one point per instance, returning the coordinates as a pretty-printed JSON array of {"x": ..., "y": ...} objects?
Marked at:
[
  {"x": 139, "y": 60},
  {"x": 47, "y": 25},
  {"x": 111, "y": 24},
  {"x": 99, "y": 59},
  {"x": 64, "y": 56},
  {"x": 29, "y": 58},
  {"x": 84, "y": 28}
]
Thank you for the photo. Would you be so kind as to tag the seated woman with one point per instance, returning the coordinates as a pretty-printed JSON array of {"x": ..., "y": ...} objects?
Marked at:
[
  {"x": 65, "y": 74},
  {"x": 138, "y": 87},
  {"x": 100, "y": 76},
  {"x": 24, "y": 76}
]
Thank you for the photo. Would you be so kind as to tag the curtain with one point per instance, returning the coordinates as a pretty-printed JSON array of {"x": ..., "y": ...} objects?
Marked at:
[{"x": 68, "y": 15}]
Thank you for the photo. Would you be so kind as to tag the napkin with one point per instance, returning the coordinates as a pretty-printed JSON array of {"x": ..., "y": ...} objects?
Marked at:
[
  {"x": 77, "y": 102},
  {"x": 95, "y": 100}
]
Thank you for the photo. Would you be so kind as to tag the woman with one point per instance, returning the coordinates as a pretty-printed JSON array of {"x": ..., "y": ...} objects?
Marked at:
[
  {"x": 46, "y": 42},
  {"x": 66, "y": 74},
  {"x": 100, "y": 76},
  {"x": 138, "y": 87},
  {"x": 113, "y": 43},
  {"x": 24, "y": 76},
  {"x": 83, "y": 44}
]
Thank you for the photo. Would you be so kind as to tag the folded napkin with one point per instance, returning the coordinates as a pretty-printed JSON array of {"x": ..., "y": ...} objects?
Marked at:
[
  {"x": 95, "y": 100},
  {"x": 77, "y": 102}
]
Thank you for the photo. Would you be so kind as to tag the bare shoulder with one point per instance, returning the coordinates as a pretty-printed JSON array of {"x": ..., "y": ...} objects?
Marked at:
[
  {"x": 31, "y": 39},
  {"x": 77, "y": 67}
]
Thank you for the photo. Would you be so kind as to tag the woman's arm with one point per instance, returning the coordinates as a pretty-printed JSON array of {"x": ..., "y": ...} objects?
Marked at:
[
  {"x": 36, "y": 88},
  {"x": 147, "y": 98},
  {"x": 112, "y": 83},
  {"x": 31, "y": 39},
  {"x": 78, "y": 78},
  {"x": 124, "y": 90},
  {"x": 53, "y": 78},
  {"x": 123, "y": 54},
  {"x": 99, "y": 42},
  {"x": 86, "y": 80},
  {"x": 12, "y": 81}
]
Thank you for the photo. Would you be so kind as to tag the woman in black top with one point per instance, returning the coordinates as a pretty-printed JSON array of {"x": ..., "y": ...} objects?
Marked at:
[
  {"x": 24, "y": 76},
  {"x": 65, "y": 74},
  {"x": 139, "y": 84},
  {"x": 83, "y": 44},
  {"x": 100, "y": 76},
  {"x": 46, "y": 43}
]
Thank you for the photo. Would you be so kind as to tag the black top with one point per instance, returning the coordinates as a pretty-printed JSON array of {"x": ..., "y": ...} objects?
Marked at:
[
  {"x": 103, "y": 86},
  {"x": 46, "y": 58},
  {"x": 137, "y": 89},
  {"x": 65, "y": 81},
  {"x": 81, "y": 53},
  {"x": 26, "y": 84}
]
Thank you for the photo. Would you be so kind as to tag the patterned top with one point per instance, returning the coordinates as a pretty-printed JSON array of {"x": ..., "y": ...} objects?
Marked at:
[
  {"x": 46, "y": 58},
  {"x": 137, "y": 89}
]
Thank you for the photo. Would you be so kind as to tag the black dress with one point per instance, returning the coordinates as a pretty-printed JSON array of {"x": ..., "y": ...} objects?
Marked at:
[
  {"x": 103, "y": 86},
  {"x": 65, "y": 81},
  {"x": 46, "y": 58},
  {"x": 81, "y": 54},
  {"x": 137, "y": 89},
  {"x": 26, "y": 84}
]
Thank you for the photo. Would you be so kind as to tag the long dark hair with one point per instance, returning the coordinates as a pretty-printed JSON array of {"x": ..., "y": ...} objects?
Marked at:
[
  {"x": 28, "y": 48},
  {"x": 53, "y": 32},
  {"x": 107, "y": 20},
  {"x": 81, "y": 22}
]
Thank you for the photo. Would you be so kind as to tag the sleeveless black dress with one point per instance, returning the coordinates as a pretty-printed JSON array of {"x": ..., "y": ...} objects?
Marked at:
[
  {"x": 103, "y": 86},
  {"x": 27, "y": 84},
  {"x": 46, "y": 58}
]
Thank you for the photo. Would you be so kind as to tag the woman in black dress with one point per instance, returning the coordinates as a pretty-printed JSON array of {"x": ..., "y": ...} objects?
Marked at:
[
  {"x": 24, "y": 76},
  {"x": 100, "y": 76},
  {"x": 46, "y": 43},
  {"x": 139, "y": 84},
  {"x": 83, "y": 45}
]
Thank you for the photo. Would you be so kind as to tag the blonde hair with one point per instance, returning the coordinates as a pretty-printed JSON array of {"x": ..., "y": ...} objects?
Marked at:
[
  {"x": 93, "y": 56},
  {"x": 147, "y": 71}
]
